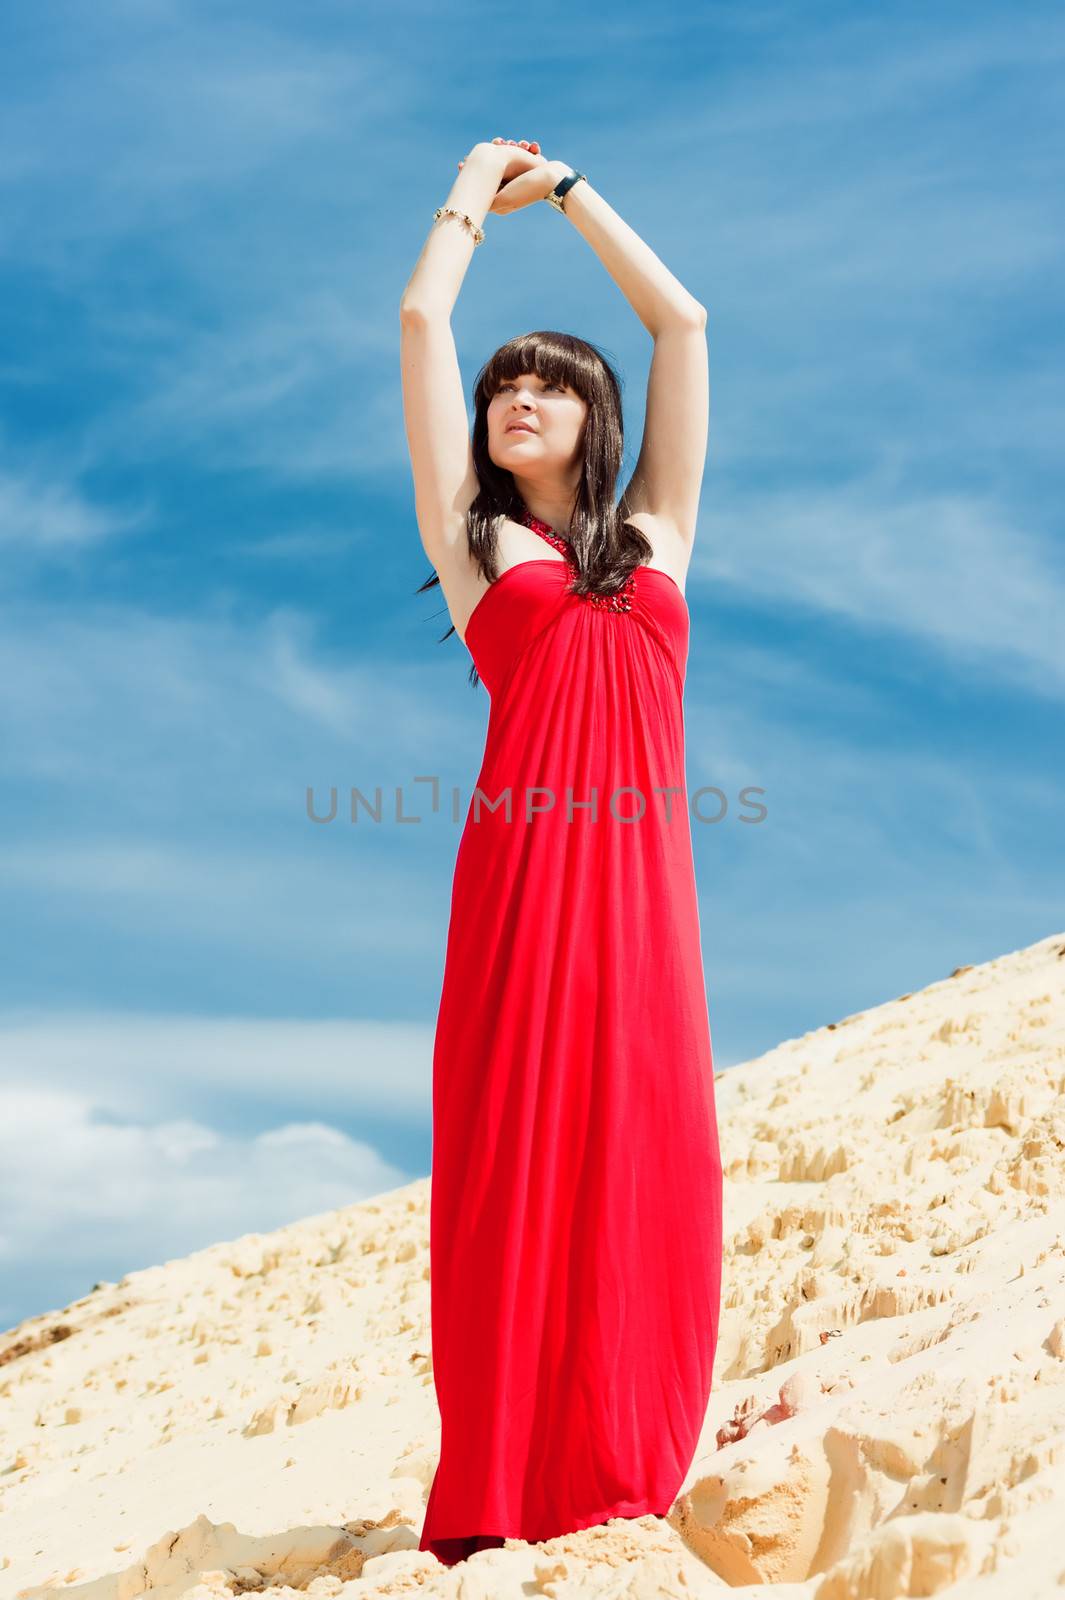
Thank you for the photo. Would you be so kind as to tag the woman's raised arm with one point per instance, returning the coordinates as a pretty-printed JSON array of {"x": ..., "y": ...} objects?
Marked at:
[
  {"x": 434, "y": 405},
  {"x": 668, "y": 475},
  {"x": 667, "y": 478}
]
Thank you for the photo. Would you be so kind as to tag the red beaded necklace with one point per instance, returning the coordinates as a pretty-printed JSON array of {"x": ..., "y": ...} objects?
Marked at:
[{"x": 621, "y": 601}]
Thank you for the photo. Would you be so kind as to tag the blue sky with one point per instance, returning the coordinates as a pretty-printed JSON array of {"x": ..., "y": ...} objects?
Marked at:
[{"x": 216, "y": 1017}]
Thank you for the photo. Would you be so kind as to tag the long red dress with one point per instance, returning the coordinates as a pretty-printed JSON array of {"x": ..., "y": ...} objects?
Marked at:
[{"x": 575, "y": 1197}]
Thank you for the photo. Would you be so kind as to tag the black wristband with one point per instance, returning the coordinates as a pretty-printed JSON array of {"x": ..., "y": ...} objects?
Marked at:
[{"x": 562, "y": 188}]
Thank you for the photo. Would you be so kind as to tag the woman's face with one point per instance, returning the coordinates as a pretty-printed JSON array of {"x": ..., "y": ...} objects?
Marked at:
[{"x": 551, "y": 418}]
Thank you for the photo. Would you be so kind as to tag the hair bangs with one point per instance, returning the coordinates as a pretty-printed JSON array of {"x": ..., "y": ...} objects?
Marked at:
[{"x": 553, "y": 357}]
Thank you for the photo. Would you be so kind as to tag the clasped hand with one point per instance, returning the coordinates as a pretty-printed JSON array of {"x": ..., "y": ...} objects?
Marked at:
[{"x": 525, "y": 175}]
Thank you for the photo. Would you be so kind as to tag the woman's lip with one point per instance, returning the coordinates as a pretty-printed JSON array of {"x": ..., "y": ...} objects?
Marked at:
[{"x": 519, "y": 427}]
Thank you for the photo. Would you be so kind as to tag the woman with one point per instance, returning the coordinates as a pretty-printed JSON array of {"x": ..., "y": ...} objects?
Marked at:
[{"x": 575, "y": 1220}]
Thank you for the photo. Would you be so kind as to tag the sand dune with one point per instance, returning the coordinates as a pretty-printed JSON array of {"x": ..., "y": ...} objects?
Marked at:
[{"x": 889, "y": 1408}]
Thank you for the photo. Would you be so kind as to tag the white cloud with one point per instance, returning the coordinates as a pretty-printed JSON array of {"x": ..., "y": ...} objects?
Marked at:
[
  {"x": 125, "y": 701},
  {"x": 949, "y": 571},
  {"x": 77, "y": 1185},
  {"x": 152, "y": 1066},
  {"x": 52, "y": 517},
  {"x": 205, "y": 117}
]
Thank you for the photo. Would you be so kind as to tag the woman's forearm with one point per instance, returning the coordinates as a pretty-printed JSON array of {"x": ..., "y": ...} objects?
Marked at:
[
  {"x": 438, "y": 273},
  {"x": 658, "y": 298}
]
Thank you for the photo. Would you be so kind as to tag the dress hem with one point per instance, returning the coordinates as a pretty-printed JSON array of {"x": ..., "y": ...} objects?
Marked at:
[{"x": 630, "y": 1510}]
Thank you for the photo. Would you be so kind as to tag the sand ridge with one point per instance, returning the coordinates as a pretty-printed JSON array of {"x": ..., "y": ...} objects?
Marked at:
[{"x": 888, "y": 1415}]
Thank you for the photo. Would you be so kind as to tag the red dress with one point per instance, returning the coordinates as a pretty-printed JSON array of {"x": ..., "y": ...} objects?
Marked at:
[{"x": 575, "y": 1198}]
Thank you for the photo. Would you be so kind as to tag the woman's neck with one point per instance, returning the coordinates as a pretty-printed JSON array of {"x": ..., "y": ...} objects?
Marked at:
[{"x": 552, "y": 527}]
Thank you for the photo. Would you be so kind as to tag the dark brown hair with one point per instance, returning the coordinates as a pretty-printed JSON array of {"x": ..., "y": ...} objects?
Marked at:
[{"x": 606, "y": 548}]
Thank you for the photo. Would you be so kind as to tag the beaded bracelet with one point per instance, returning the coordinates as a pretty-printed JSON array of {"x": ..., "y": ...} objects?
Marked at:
[{"x": 449, "y": 211}]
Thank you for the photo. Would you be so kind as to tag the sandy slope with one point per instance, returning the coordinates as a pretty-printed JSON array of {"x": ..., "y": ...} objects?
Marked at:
[{"x": 889, "y": 1407}]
